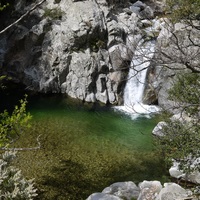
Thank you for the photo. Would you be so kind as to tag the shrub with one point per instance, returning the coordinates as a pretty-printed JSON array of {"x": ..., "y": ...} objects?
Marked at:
[{"x": 12, "y": 183}]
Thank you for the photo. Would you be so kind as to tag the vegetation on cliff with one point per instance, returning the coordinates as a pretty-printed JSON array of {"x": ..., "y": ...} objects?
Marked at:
[{"x": 182, "y": 133}]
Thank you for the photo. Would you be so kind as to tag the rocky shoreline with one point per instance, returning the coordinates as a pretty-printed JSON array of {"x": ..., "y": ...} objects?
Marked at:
[{"x": 146, "y": 190}]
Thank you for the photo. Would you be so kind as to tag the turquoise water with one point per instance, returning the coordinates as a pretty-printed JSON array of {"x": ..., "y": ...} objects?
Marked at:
[{"x": 85, "y": 148}]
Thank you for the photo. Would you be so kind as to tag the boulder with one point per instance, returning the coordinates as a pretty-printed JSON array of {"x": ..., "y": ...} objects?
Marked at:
[
  {"x": 140, "y": 5},
  {"x": 172, "y": 191},
  {"x": 101, "y": 196},
  {"x": 149, "y": 190},
  {"x": 158, "y": 130},
  {"x": 124, "y": 190},
  {"x": 193, "y": 176},
  {"x": 147, "y": 13},
  {"x": 120, "y": 55}
]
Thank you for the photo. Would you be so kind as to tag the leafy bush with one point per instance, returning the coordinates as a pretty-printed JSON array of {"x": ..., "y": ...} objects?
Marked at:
[
  {"x": 12, "y": 184},
  {"x": 184, "y": 9},
  {"x": 12, "y": 126}
]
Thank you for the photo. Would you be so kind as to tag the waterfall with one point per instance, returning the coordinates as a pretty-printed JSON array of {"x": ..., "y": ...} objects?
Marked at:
[{"x": 135, "y": 85}]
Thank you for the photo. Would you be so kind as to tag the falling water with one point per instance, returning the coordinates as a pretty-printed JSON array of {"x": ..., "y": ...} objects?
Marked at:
[{"x": 135, "y": 85}]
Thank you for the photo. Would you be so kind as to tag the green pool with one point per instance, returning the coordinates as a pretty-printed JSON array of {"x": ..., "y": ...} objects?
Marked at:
[{"x": 85, "y": 148}]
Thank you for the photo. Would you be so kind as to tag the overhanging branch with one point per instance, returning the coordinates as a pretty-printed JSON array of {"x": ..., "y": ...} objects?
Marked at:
[
  {"x": 22, "y": 17},
  {"x": 24, "y": 149}
]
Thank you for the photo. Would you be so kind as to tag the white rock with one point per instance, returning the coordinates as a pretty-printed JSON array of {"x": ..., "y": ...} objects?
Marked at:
[
  {"x": 125, "y": 190},
  {"x": 149, "y": 189},
  {"x": 193, "y": 177},
  {"x": 101, "y": 196},
  {"x": 172, "y": 191},
  {"x": 158, "y": 130}
]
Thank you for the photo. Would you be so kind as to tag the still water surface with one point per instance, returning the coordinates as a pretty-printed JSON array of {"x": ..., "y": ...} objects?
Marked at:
[{"x": 85, "y": 148}]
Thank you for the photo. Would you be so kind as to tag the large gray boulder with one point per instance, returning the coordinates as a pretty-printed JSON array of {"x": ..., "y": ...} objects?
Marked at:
[
  {"x": 101, "y": 196},
  {"x": 124, "y": 190},
  {"x": 149, "y": 190},
  {"x": 172, "y": 191},
  {"x": 171, "y": 60},
  {"x": 117, "y": 191}
]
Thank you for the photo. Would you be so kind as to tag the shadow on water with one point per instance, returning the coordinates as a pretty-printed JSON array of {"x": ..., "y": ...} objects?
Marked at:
[
  {"x": 71, "y": 180},
  {"x": 67, "y": 181}
]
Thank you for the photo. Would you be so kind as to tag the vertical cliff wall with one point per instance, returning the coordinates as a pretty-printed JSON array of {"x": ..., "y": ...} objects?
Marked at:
[{"x": 82, "y": 48}]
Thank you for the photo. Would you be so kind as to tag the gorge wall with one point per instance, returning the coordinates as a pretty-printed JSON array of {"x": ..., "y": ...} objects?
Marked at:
[{"x": 81, "y": 48}]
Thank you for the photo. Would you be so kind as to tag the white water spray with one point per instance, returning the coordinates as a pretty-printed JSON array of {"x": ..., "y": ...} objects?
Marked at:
[{"x": 135, "y": 85}]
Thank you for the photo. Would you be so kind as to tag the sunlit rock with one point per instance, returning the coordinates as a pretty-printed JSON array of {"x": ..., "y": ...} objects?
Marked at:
[
  {"x": 158, "y": 130},
  {"x": 172, "y": 191},
  {"x": 127, "y": 190},
  {"x": 101, "y": 196},
  {"x": 193, "y": 176},
  {"x": 149, "y": 190}
]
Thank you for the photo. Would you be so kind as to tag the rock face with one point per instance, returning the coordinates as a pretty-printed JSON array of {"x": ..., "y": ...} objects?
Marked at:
[
  {"x": 82, "y": 48},
  {"x": 172, "y": 191},
  {"x": 73, "y": 47},
  {"x": 170, "y": 61}
]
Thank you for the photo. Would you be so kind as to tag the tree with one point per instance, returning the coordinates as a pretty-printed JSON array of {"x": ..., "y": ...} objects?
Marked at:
[{"x": 182, "y": 132}]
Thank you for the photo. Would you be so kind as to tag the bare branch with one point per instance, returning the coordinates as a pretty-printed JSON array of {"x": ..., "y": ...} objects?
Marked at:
[
  {"x": 24, "y": 149},
  {"x": 22, "y": 17}
]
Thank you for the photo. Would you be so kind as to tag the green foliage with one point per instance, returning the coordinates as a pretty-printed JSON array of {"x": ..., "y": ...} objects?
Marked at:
[
  {"x": 182, "y": 136},
  {"x": 184, "y": 9},
  {"x": 3, "y": 6},
  {"x": 55, "y": 13},
  {"x": 186, "y": 92},
  {"x": 12, "y": 126},
  {"x": 57, "y": 1},
  {"x": 12, "y": 184},
  {"x": 181, "y": 143},
  {"x": 1, "y": 81}
]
